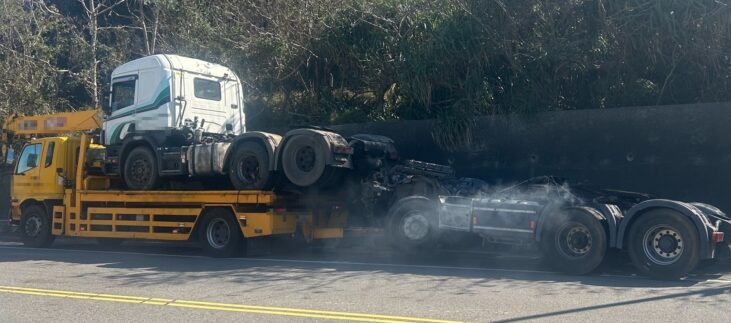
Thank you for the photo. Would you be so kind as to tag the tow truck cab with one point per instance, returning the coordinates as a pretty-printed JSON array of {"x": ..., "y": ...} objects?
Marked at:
[{"x": 44, "y": 168}]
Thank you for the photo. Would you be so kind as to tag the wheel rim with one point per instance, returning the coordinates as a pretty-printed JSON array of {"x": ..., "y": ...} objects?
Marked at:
[
  {"x": 415, "y": 225},
  {"x": 574, "y": 240},
  {"x": 218, "y": 233},
  {"x": 305, "y": 158},
  {"x": 663, "y": 244},
  {"x": 141, "y": 170},
  {"x": 248, "y": 170},
  {"x": 33, "y": 226}
]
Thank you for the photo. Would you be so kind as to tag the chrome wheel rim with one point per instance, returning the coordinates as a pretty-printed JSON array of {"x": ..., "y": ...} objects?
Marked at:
[
  {"x": 141, "y": 171},
  {"x": 663, "y": 244},
  {"x": 305, "y": 158},
  {"x": 33, "y": 226},
  {"x": 248, "y": 169},
  {"x": 415, "y": 226},
  {"x": 574, "y": 240},
  {"x": 218, "y": 233}
]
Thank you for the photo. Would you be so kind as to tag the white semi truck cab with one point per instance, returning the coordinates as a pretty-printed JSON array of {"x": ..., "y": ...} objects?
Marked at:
[
  {"x": 163, "y": 92},
  {"x": 174, "y": 116}
]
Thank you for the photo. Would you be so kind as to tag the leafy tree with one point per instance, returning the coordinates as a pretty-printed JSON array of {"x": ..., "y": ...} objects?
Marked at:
[
  {"x": 328, "y": 61},
  {"x": 37, "y": 63}
]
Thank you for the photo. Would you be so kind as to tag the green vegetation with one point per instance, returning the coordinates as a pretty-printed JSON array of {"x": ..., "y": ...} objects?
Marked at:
[{"x": 328, "y": 61}]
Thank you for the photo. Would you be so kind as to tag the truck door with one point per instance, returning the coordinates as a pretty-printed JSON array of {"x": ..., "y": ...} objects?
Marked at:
[
  {"x": 207, "y": 102},
  {"x": 47, "y": 169},
  {"x": 153, "y": 110},
  {"x": 26, "y": 178},
  {"x": 234, "y": 105},
  {"x": 123, "y": 105},
  {"x": 35, "y": 173}
]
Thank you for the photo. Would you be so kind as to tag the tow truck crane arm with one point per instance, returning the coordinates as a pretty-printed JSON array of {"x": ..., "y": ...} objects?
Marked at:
[
  {"x": 47, "y": 125},
  {"x": 51, "y": 124}
]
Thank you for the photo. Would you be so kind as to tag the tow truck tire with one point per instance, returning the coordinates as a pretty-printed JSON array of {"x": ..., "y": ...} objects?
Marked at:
[
  {"x": 248, "y": 168},
  {"x": 663, "y": 244},
  {"x": 220, "y": 234},
  {"x": 413, "y": 225},
  {"x": 304, "y": 161},
  {"x": 575, "y": 243},
  {"x": 35, "y": 227},
  {"x": 140, "y": 169}
]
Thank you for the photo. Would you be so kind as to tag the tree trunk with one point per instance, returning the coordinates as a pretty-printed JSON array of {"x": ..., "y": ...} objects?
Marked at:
[{"x": 93, "y": 27}]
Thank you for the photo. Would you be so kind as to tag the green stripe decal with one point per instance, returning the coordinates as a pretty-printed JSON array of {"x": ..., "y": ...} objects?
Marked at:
[
  {"x": 115, "y": 134},
  {"x": 162, "y": 98}
]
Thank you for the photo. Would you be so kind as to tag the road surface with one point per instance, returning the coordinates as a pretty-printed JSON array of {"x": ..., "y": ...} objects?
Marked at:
[{"x": 76, "y": 281}]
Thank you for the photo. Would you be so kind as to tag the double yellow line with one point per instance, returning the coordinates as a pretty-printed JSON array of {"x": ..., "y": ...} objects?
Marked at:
[{"x": 346, "y": 316}]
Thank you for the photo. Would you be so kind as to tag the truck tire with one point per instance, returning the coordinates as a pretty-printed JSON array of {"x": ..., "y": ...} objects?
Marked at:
[
  {"x": 413, "y": 224},
  {"x": 140, "y": 169},
  {"x": 220, "y": 234},
  {"x": 35, "y": 227},
  {"x": 304, "y": 162},
  {"x": 663, "y": 244},
  {"x": 575, "y": 243},
  {"x": 248, "y": 167}
]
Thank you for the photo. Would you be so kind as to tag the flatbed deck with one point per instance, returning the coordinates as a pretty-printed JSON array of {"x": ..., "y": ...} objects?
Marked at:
[
  {"x": 231, "y": 197},
  {"x": 173, "y": 215}
]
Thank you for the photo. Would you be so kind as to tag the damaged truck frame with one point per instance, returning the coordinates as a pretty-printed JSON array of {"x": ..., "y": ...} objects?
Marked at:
[
  {"x": 173, "y": 118},
  {"x": 574, "y": 226}
]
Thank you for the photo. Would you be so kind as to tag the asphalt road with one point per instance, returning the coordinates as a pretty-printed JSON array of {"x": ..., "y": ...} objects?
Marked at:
[{"x": 140, "y": 282}]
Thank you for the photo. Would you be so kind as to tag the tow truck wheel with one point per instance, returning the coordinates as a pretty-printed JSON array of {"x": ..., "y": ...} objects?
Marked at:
[
  {"x": 576, "y": 243},
  {"x": 35, "y": 227},
  {"x": 248, "y": 169},
  {"x": 140, "y": 169},
  {"x": 412, "y": 224},
  {"x": 220, "y": 234},
  {"x": 303, "y": 162},
  {"x": 663, "y": 244}
]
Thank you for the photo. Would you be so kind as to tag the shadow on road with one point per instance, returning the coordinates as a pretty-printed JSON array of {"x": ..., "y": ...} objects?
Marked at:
[{"x": 145, "y": 264}]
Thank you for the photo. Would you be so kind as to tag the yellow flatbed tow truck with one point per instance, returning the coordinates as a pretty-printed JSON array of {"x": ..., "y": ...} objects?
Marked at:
[{"x": 57, "y": 190}]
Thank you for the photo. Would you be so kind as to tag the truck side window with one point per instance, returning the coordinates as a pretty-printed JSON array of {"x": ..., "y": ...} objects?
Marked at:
[
  {"x": 123, "y": 94},
  {"x": 207, "y": 89},
  {"x": 49, "y": 153},
  {"x": 28, "y": 158}
]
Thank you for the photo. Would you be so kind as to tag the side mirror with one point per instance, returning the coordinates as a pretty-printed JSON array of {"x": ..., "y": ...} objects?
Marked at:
[
  {"x": 9, "y": 156},
  {"x": 105, "y": 103}
]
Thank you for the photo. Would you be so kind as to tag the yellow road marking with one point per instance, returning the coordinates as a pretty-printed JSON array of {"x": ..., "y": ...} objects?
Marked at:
[{"x": 347, "y": 316}]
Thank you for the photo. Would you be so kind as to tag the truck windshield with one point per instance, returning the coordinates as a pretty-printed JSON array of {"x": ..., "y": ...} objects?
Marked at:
[{"x": 28, "y": 159}]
